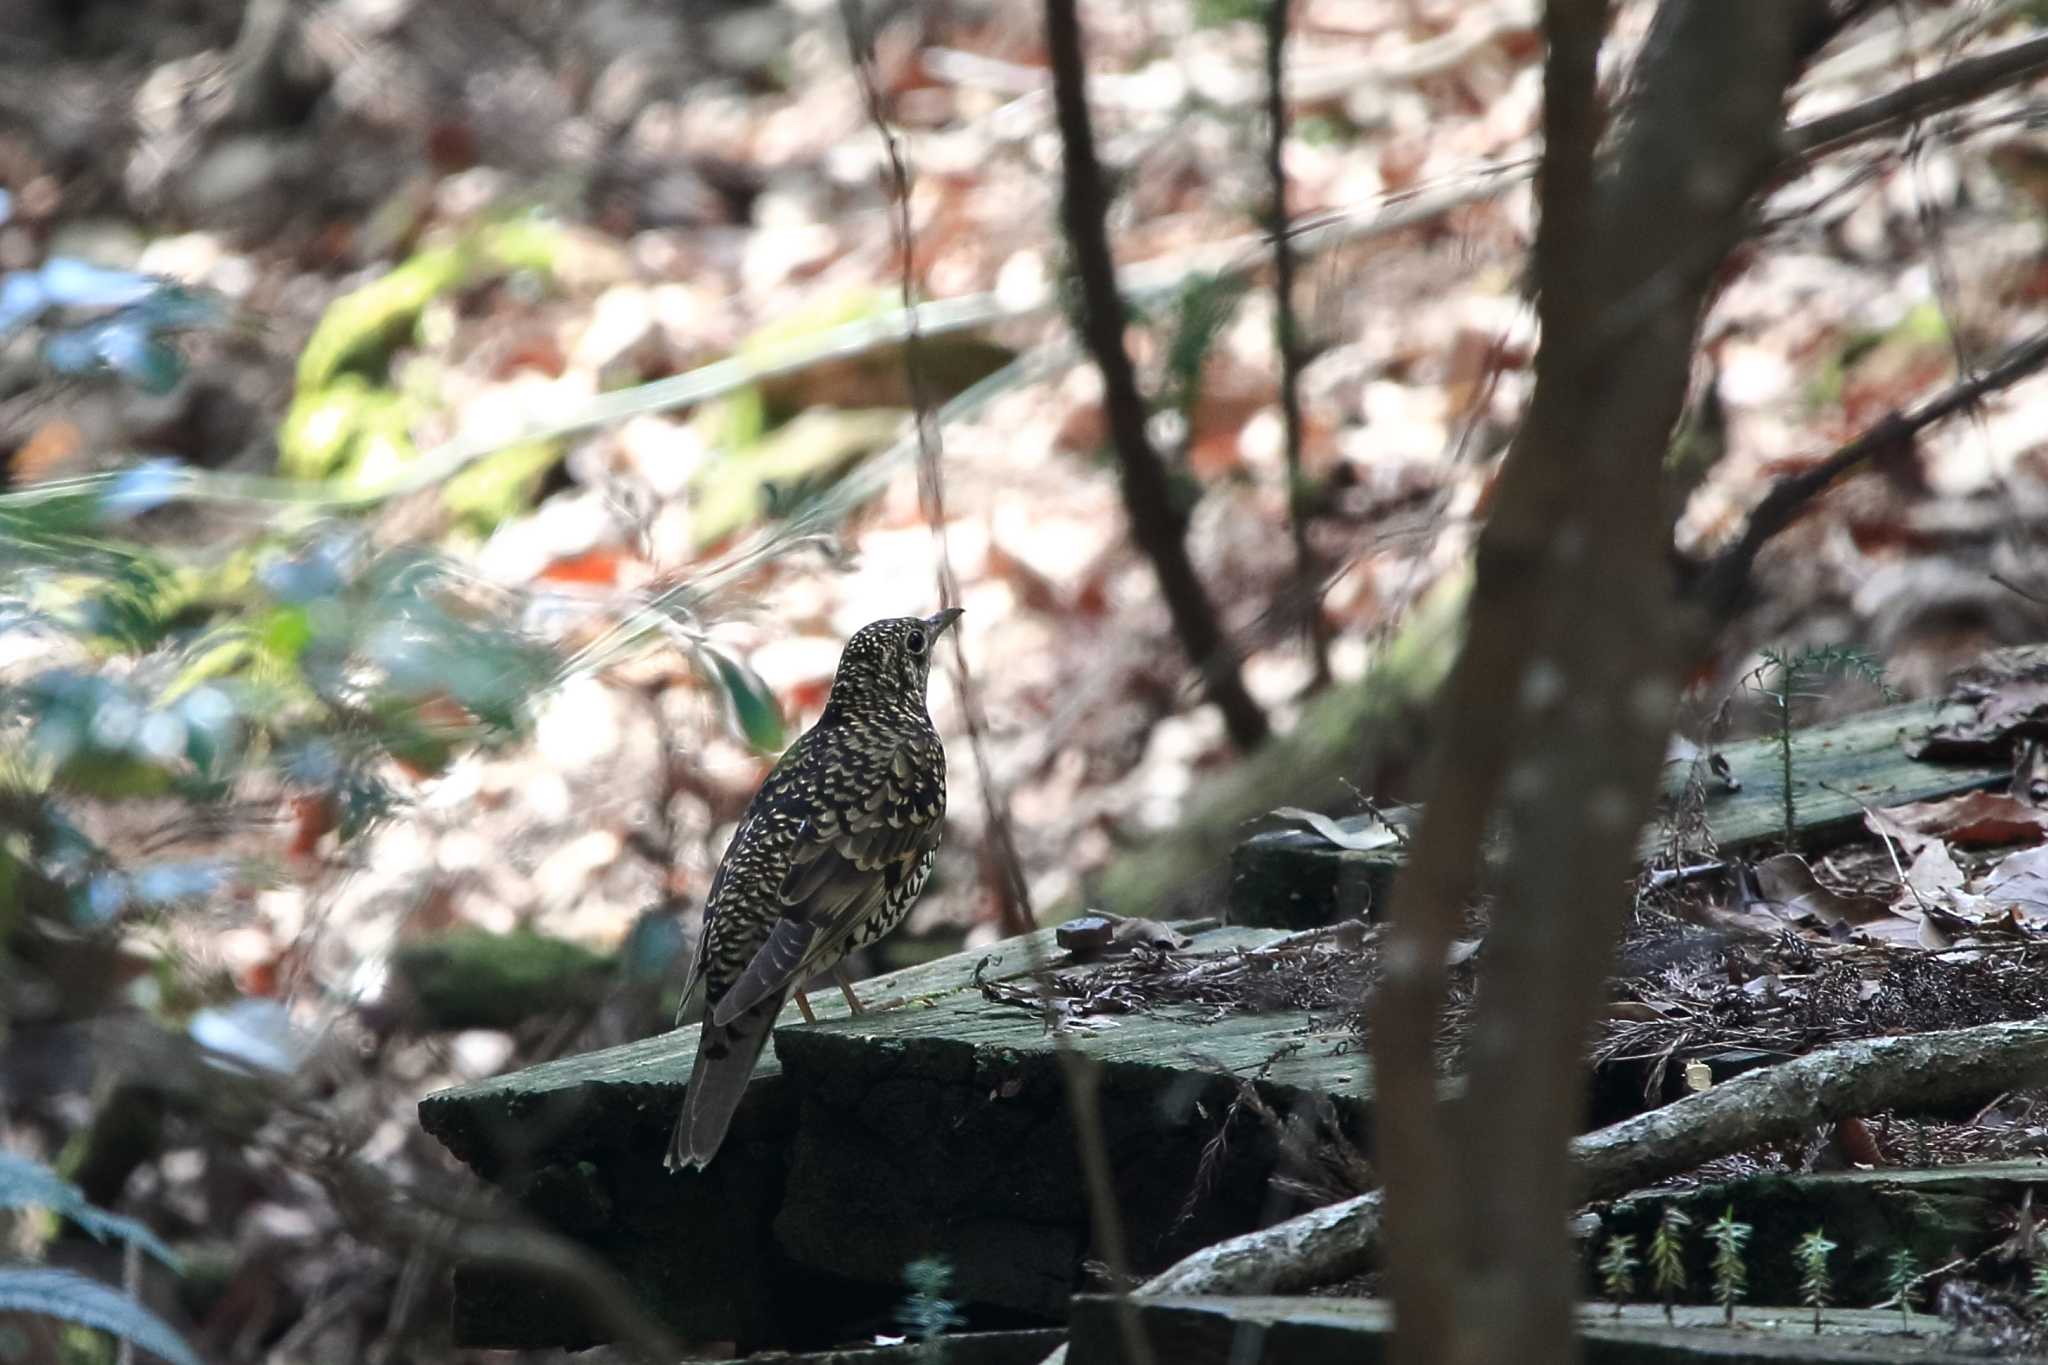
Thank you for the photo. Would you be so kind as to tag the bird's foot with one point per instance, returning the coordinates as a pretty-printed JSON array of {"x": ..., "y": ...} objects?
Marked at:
[{"x": 853, "y": 1004}]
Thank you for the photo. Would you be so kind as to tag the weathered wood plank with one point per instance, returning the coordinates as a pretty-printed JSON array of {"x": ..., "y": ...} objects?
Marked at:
[
  {"x": 1332, "y": 1331},
  {"x": 969, "y": 1348},
  {"x": 489, "y": 1122},
  {"x": 946, "y": 1131},
  {"x": 879, "y": 1129},
  {"x": 578, "y": 1142},
  {"x": 1837, "y": 769},
  {"x": 1297, "y": 879}
]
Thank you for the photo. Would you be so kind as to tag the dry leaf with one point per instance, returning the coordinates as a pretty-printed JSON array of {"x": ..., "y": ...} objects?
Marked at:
[
  {"x": 1151, "y": 933},
  {"x": 1788, "y": 884},
  {"x": 2020, "y": 882},
  {"x": 1972, "y": 820},
  {"x": 1364, "y": 840},
  {"x": 2002, "y": 707},
  {"x": 1934, "y": 872}
]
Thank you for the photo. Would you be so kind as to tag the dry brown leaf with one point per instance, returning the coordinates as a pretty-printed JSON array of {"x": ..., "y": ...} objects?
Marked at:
[
  {"x": 1934, "y": 873},
  {"x": 1151, "y": 933},
  {"x": 1372, "y": 836},
  {"x": 1972, "y": 820},
  {"x": 1788, "y": 884},
  {"x": 2020, "y": 882}
]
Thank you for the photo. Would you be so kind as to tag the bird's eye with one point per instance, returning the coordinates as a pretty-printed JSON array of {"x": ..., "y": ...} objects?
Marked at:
[{"x": 916, "y": 642}]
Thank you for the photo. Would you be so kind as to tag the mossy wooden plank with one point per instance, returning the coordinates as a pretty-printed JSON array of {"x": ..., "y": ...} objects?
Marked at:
[
  {"x": 947, "y": 1132},
  {"x": 578, "y": 1142},
  {"x": 1026, "y": 1347},
  {"x": 1938, "y": 1214},
  {"x": 1297, "y": 879},
  {"x": 1331, "y": 1331},
  {"x": 488, "y": 1121},
  {"x": 1837, "y": 769}
]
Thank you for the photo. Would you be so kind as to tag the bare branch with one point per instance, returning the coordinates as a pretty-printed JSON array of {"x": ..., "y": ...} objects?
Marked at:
[
  {"x": 1724, "y": 580},
  {"x": 1573, "y": 702},
  {"x": 1013, "y": 894},
  {"x": 1287, "y": 339},
  {"x": 1957, "y": 85}
]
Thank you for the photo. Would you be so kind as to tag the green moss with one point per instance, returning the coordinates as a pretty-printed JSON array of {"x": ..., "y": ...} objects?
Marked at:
[
  {"x": 474, "y": 979},
  {"x": 798, "y": 460},
  {"x": 500, "y": 486},
  {"x": 359, "y": 330}
]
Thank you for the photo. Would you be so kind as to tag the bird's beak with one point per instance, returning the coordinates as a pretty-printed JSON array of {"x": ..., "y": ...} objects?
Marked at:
[{"x": 938, "y": 621}]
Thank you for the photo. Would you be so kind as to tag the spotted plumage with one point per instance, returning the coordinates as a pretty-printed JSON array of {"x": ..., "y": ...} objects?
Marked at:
[{"x": 829, "y": 856}]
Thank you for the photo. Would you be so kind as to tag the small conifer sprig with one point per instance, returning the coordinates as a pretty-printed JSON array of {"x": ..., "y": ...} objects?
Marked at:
[
  {"x": 1900, "y": 1273},
  {"x": 1816, "y": 1285},
  {"x": 1667, "y": 1256},
  {"x": 1618, "y": 1269},
  {"x": 1731, "y": 1273}
]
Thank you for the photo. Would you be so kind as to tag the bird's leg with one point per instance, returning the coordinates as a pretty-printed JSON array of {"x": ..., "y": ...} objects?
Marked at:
[
  {"x": 853, "y": 1004},
  {"x": 803, "y": 1007}
]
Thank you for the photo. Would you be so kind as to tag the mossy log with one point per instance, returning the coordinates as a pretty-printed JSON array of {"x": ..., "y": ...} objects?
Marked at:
[
  {"x": 1332, "y": 1331},
  {"x": 470, "y": 978},
  {"x": 1298, "y": 879},
  {"x": 946, "y": 1131},
  {"x": 934, "y": 1124}
]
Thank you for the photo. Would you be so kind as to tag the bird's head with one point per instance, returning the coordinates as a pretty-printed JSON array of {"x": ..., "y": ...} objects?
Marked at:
[{"x": 892, "y": 657}]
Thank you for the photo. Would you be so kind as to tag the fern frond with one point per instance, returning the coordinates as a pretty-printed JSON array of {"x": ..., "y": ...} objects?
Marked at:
[
  {"x": 30, "y": 1184},
  {"x": 72, "y": 1297}
]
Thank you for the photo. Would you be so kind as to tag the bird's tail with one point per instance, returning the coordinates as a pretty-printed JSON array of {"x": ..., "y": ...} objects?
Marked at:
[{"x": 726, "y": 1054}]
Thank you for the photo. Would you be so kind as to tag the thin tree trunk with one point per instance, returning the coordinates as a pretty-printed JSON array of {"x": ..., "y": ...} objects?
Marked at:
[
  {"x": 1556, "y": 714},
  {"x": 1148, "y": 497}
]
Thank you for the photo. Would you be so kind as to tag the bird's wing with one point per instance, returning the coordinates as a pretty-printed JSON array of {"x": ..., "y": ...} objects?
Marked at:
[
  {"x": 843, "y": 865},
  {"x": 700, "y": 952}
]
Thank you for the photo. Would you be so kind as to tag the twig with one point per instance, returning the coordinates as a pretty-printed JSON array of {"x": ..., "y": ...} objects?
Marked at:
[
  {"x": 1148, "y": 494},
  {"x": 2002, "y": 581},
  {"x": 1081, "y": 1076},
  {"x": 1013, "y": 895},
  {"x": 1287, "y": 337},
  {"x": 1959, "y": 84},
  {"x": 1721, "y": 583}
]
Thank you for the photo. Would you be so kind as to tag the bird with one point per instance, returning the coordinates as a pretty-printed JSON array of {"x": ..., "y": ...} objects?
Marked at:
[{"x": 828, "y": 857}]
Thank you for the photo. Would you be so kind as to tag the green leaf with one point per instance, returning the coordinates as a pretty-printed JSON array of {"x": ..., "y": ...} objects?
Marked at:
[
  {"x": 25, "y": 1183},
  {"x": 71, "y": 1297},
  {"x": 286, "y": 632},
  {"x": 500, "y": 486},
  {"x": 755, "y": 712}
]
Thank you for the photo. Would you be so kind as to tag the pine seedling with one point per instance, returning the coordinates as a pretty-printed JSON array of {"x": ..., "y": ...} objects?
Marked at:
[
  {"x": 1731, "y": 1275},
  {"x": 1667, "y": 1256},
  {"x": 1900, "y": 1272},
  {"x": 927, "y": 1313},
  {"x": 1794, "y": 674},
  {"x": 1816, "y": 1285},
  {"x": 2037, "y": 1288},
  {"x": 1618, "y": 1269}
]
